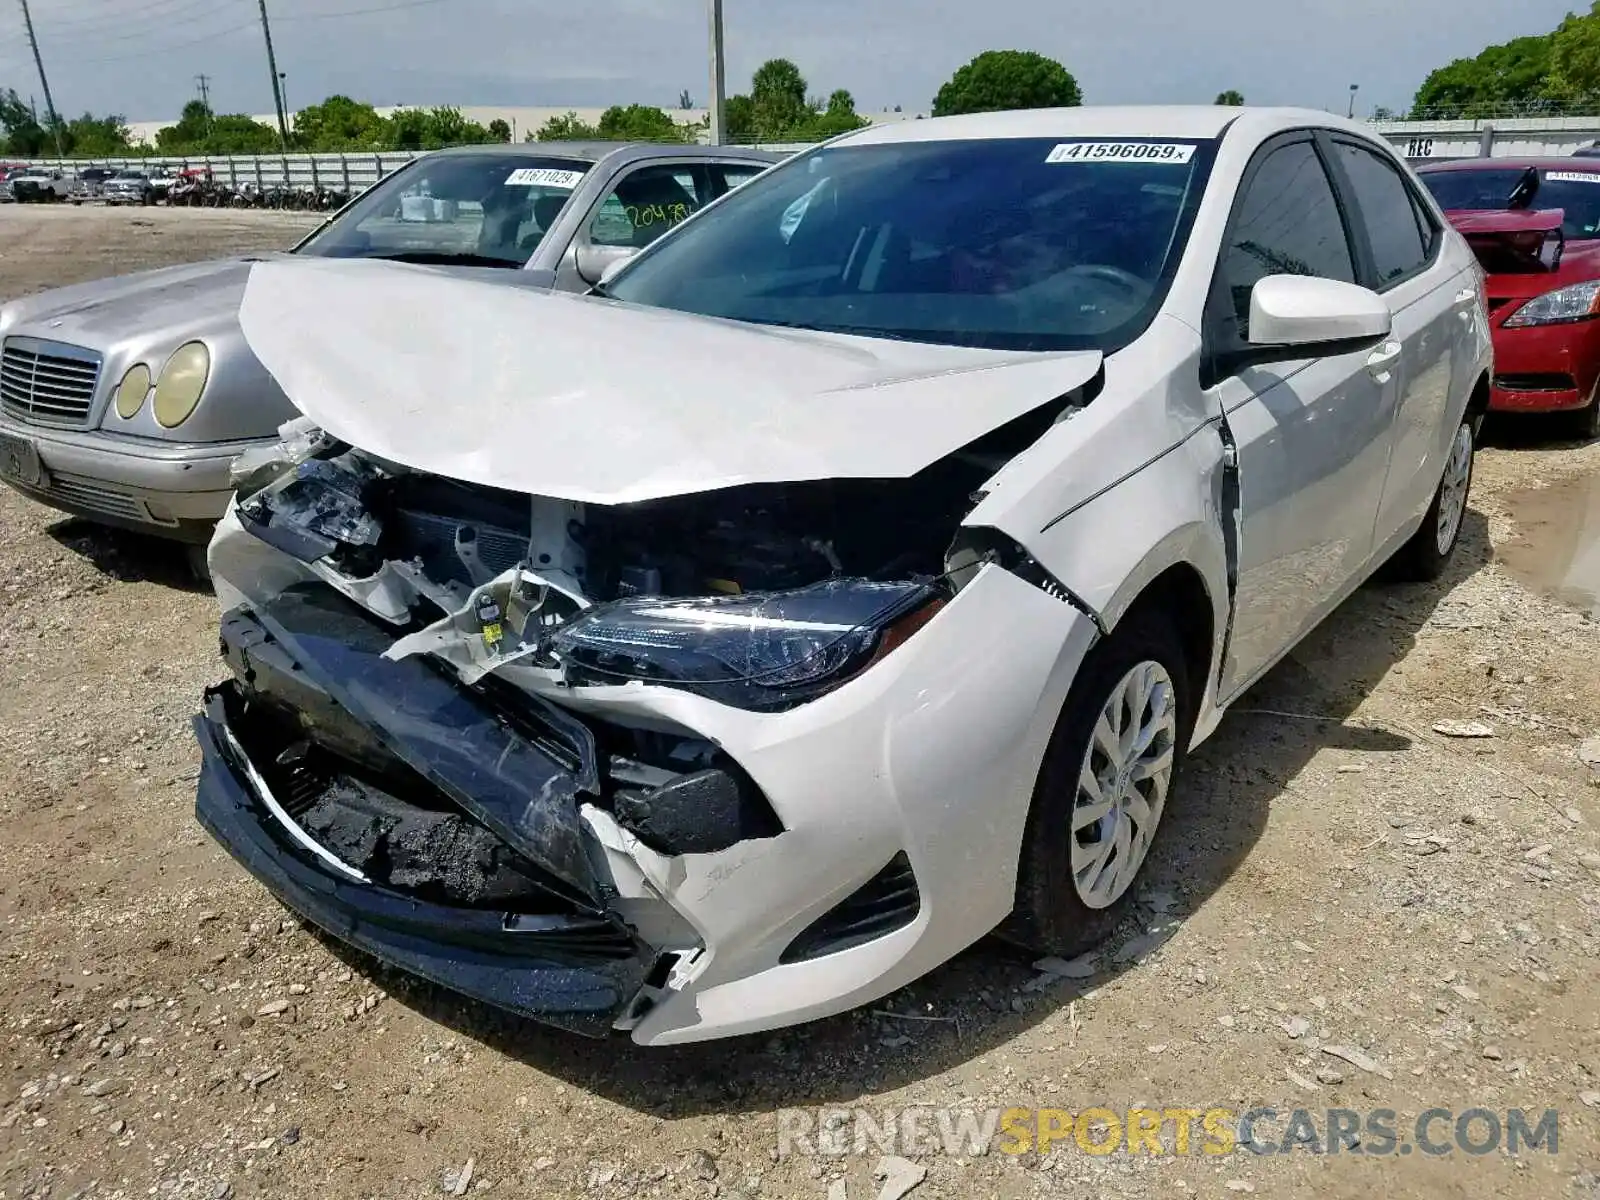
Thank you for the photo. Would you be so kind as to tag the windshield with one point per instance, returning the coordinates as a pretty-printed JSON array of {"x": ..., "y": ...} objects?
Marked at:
[
  {"x": 1576, "y": 193},
  {"x": 487, "y": 210},
  {"x": 1016, "y": 244}
]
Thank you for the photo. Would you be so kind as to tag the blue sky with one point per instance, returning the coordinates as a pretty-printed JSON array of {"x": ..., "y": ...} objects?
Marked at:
[{"x": 140, "y": 57}]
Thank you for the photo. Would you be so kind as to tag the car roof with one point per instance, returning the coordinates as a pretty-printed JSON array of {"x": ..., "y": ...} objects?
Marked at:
[
  {"x": 1545, "y": 163},
  {"x": 594, "y": 151},
  {"x": 1106, "y": 121}
]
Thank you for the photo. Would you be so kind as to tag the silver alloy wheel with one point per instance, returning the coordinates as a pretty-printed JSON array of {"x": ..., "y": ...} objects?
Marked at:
[
  {"x": 1122, "y": 785},
  {"x": 1453, "y": 490}
]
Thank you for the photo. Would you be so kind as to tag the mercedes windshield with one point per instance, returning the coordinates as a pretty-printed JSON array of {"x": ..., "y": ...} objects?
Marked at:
[{"x": 465, "y": 209}]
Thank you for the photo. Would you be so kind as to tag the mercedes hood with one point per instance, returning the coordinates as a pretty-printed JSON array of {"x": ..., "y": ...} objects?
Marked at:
[
  {"x": 590, "y": 400},
  {"x": 103, "y": 312}
]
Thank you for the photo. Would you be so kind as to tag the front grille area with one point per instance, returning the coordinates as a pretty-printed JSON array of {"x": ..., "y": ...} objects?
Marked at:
[
  {"x": 47, "y": 383},
  {"x": 88, "y": 495},
  {"x": 1535, "y": 382}
]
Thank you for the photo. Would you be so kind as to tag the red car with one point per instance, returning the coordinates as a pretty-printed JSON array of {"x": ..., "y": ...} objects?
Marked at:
[{"x": 1535, "y": 225}]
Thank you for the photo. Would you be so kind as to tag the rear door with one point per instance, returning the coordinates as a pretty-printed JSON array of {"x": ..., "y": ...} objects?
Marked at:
[
  {"x": 1311, "y": 435},
  {"x": 1433, "y": 300}
]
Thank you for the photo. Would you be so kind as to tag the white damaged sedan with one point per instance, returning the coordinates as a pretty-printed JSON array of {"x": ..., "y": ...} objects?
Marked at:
[{"x": 848, "y": 579}]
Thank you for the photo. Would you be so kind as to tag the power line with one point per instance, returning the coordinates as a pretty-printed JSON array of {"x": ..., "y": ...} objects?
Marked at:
[
  {"x": 360, "y": 12},
  {"x": 161, "y": 8},
  {"x": 145, "y": 54},
  {"x": 38, "y": 61}
]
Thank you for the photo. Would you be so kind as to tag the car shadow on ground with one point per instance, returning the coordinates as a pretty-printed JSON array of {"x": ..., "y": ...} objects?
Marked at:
[
  {"x": 1530, "y": 431},
  {"x": 124, "y": 555},
  {"x": 981, "y": 1000}
]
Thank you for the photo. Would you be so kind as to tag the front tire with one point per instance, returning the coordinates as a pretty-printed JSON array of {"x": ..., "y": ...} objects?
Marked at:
[
  {"x": 1584, "y": 424},
  {"x": 1428, "y": 553},
  {"x": 1110, "y": 771}
]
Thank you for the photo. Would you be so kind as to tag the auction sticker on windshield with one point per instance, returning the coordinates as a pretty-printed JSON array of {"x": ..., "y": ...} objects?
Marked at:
[
  {"x": 543, "y": 177},
  {"x": 1131, "y": 152},
  {"x": 1571, "y": 177}
]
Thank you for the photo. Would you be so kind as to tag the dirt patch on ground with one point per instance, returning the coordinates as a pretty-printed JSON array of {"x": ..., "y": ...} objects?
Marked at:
[{"x": 1349, "y": 910}]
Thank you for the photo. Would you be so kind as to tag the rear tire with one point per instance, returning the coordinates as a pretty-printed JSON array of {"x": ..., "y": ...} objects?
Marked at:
[
  {"x": 1103, "y": 788},
  {"x": 1430, "y": 549}
]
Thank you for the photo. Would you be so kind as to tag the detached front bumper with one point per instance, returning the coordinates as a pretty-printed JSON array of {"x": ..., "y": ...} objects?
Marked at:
[
  {"x": 568, "y": 970},
  {"x": 171, "y": 490}
]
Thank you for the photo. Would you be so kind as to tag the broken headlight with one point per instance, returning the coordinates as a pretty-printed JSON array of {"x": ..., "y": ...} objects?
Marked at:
[{"x": 760, "y": 651}]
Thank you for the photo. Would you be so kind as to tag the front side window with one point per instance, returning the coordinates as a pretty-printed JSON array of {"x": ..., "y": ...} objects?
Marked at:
[
  {"x": 645, "y": 204},
  {"x": 468, "y": 209},
  {"x": 1286, "y": 223},
  {"x": 1015, "y": 243},
  {"x": 1387, "y": 213}
]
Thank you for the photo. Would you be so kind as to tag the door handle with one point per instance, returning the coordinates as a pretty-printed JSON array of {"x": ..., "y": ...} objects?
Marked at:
[
  {"x": 1381, "y": 359},
  {"x": 1465, "y": 297}
]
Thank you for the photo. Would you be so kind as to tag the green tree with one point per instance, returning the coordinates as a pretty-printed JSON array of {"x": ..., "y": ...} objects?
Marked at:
[
  {"x": 778, "y": 96},
  {"x": 1231, "y": 97},
  {"x": 500, "y": 130},
  {"x": 740, "y": 119},
  {"x": 1575, "y": 57},
  {"x": 90, "y": 136},
  {"x": 1515, "y": 72},
  {"x": 340, "y": 123},
  {"x": 685, "y": 100},
  {"x": 839, "y": 116},
  {"x": 640, "y": 123},
  {"x": 997, "y": 80},
  {"x": 567, "y": 128},
  {"x": 191, "y": 131},
  {"x": 236, "y": 133},
  {"x": 25, "y": 137}
]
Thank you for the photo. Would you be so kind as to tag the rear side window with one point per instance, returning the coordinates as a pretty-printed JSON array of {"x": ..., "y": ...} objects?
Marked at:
[
  {"x": 1287, "y": 223},
  {"x": 1387, "y": 213}
]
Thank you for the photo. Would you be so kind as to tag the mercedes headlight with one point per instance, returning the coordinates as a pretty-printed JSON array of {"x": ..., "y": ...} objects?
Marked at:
[
  {"x": 131, "y": 392},
  {"x": 181, "y": 382},
  {"x": 1579, "y": 302},
  {"x": 761, "y": 651}
]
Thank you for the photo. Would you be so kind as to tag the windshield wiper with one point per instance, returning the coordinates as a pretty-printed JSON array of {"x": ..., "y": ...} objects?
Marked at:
[{"x": 444, "y": 258}]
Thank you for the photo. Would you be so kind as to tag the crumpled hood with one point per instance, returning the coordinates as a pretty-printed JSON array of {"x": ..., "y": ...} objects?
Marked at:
[
  {"x": 593, "y": 401},
  {"x": 100, "y": 313}
]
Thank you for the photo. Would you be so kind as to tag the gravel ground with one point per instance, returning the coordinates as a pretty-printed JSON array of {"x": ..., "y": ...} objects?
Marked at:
[{"x": 1348, "y": 910}]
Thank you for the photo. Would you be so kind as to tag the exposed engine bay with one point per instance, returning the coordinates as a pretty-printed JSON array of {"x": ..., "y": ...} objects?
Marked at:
[{"x": 756, "y": 594}]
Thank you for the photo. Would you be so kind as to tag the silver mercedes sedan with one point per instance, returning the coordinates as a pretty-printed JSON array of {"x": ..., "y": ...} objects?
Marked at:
[{"x": 126, "y": 400}]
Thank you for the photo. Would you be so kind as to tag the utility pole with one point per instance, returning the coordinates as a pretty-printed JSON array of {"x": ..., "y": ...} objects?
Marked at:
[
  {"x": 49, "y": 104},
  {"x": 277, "y": 92},
  {"x": 719, "y": 79},
  {"x": 204, "y": 83}
]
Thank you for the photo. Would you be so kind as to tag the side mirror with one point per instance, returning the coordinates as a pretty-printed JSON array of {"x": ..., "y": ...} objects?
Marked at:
[
  {"x": 1304, "y": 311},
  {"x": 597, "y": 264}
]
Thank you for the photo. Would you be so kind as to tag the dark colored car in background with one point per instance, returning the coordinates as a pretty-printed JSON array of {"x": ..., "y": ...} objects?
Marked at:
[{"x": 1535, "y": 226}]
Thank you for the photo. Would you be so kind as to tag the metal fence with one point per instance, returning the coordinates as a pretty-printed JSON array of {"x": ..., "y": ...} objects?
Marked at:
[{"x": 349, "y": 172}]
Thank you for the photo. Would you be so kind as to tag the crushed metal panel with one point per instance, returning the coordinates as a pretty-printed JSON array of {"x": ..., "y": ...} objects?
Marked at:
[
  {"x": 484, "y": 764},
  {"x": 636, "y": 404}
]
